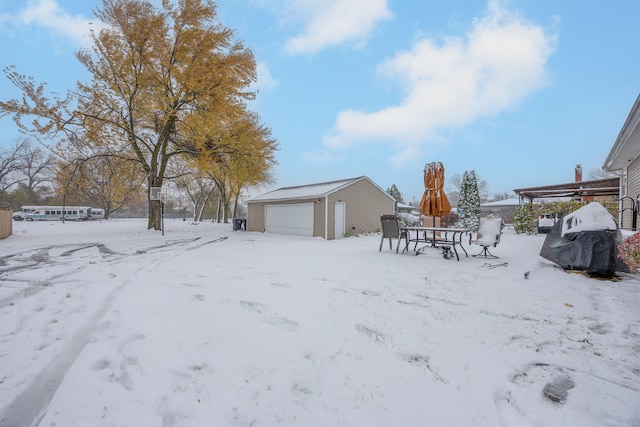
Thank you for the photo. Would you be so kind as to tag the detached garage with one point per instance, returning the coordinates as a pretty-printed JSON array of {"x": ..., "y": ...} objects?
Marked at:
[{"x": 328, "y": 209}]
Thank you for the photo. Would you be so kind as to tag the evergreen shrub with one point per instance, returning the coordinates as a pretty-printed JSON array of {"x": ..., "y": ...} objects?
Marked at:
[{"x": 523, "y": 220}]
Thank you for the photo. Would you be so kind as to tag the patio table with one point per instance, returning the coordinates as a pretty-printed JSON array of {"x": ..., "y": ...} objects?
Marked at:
[{"x": 444, "y": 238}]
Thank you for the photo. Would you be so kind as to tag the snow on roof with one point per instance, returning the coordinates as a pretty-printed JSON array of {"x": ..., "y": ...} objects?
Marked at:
[
  {"x": 406, "y": 206},
  {"x": 591, "y": 217},
  {"x": 511, "y": 201},
  {"x": 307, "y": 191}
]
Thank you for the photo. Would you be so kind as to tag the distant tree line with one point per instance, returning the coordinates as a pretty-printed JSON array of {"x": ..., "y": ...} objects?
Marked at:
[
  {"x": 25, "y": 175},
  {"x": 29, "y": 175}
]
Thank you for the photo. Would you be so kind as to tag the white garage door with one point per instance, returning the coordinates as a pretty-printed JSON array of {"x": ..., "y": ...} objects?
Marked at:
[{"x": 296, "y": 220}]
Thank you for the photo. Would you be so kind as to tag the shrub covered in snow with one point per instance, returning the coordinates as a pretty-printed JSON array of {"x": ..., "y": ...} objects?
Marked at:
[
  {"x": 600, "y": 213},
  {"x": 409, "y": 220},
  {"x": 523, "y": 220},
  {"x": 469, "y": 203}
]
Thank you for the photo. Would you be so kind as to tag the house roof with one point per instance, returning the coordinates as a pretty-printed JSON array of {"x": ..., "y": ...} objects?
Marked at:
[
  {"x": 595, "y": 187},
  {"x": 511, "y": 201},
  {"x": 311, "y": 191},
  {"x": 626, "y": 148}
]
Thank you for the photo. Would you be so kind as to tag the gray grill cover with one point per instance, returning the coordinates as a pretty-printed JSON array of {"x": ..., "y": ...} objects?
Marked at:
[{"x": 595, "y": 252}]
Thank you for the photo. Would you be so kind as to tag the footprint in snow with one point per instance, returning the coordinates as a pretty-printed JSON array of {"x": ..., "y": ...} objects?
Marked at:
[
  {"x": 253, "y": 306},
  {"x": 371, "y": 333},
  {"x": 423, "y": 361},
  {"x": 289, "y": 325}
]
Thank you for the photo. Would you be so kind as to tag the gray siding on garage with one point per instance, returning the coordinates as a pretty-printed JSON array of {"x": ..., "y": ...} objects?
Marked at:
[{"x": 364, "y": 203}]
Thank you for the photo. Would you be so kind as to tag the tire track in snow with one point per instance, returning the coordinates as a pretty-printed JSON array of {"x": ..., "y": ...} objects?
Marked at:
[
  {"x": 12, "y": 265},
  {"x": 30, "y": 406}
]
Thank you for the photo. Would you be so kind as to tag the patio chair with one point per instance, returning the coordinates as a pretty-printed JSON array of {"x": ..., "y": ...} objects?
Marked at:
[
  {"x": 489, "y": 231},
  {"x": 391, "y": 230}
]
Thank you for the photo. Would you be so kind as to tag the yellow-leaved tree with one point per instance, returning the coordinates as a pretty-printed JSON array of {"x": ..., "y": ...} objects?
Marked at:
[
  {"x": 163, "y": 79},
  {"x": 240, "y": 156}
]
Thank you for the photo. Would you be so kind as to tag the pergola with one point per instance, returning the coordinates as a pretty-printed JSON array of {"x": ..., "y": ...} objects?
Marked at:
[{"x": 595, "y": 187}]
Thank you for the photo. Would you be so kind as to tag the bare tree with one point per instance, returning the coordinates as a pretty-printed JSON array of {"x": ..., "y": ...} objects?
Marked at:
[
  {"x": 502, "y": 196},
  {"x": 602, "y": 174},
  {"x": 11, "y": 166},
  {"x": 198, "y": 186},
  {"x": 36, "y": 166}
]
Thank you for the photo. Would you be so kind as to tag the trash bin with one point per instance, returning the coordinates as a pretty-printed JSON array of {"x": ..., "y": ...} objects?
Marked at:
[{"x": 239, "y": 224}]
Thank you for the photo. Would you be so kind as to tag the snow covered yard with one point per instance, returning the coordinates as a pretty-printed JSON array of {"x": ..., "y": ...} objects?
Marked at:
[{"x": 109, "y": 324}]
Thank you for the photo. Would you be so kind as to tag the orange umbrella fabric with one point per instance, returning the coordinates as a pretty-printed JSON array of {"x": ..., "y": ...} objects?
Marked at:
[{"x": 434, "y": 202}]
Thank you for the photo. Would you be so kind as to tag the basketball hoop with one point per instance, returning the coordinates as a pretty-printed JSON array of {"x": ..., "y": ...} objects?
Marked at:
[{"x": 155, "y": 193}]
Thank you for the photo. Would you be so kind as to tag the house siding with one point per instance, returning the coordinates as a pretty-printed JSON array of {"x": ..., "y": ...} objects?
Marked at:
[
  {"x": 255, "y": 217},
  {"x": 318, "y": 218},
  {"x": 364, "y": 203},
  {"x": 632, "y": 190}
]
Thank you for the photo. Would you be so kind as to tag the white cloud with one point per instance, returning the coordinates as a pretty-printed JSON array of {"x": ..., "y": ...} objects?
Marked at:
[
  {"x": 48, "y": 14},
  {"x": 266, "y": 81},
  {"x": 322, "y": 156},
  {"x": 454, "y": 82},
  {"x": 333, "y": 22}
]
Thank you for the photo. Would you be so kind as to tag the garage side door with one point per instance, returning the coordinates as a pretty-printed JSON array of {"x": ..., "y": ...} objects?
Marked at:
[{"x": 296, "y": 220}]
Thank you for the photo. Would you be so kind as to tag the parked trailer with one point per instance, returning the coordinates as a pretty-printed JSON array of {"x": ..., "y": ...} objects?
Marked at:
[
  {"x": 97, "y": 213},
  {"x": 52, "y": 213}
]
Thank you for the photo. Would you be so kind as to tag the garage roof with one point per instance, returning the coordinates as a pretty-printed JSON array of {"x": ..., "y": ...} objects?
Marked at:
[{"x": 311, "y": 191}]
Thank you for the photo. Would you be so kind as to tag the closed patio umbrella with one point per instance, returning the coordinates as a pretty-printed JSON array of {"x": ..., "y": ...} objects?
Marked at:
[{"x": 434, "y": 202}]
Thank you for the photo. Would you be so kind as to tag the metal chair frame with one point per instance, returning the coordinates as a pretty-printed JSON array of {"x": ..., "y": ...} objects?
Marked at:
[
  {"x": 391, "y": 230},
  {"x": 487, "y": 240}
]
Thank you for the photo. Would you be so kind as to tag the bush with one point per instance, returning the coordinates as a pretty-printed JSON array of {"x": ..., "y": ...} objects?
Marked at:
[
  {"x": 408, "y": 220},
  {"x": 523, "y": 220},
  {"x": 525, "y": 215},
  {"x": 562, "y": 208},
  {"x": 629, "y": 252}
]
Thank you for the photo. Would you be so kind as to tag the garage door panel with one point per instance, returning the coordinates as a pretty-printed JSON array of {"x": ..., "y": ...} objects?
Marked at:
[{"x": 294, "y": 220}]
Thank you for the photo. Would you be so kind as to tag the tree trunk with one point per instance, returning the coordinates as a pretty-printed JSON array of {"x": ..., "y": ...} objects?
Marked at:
[
  {"x": 219, "y": 213},
  {"x": 235, "y": 208},
  {"x": 200, "y": 213},
  {"x": 155, "y": 215},
  {"x": 155, "y": 218}
]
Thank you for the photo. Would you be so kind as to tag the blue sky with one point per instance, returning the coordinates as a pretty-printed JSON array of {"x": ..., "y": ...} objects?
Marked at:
[{"x": 520, "y": 91}]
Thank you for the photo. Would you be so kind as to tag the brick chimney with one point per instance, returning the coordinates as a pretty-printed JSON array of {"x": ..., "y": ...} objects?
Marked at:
[{"x": 578, "y": 173}]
